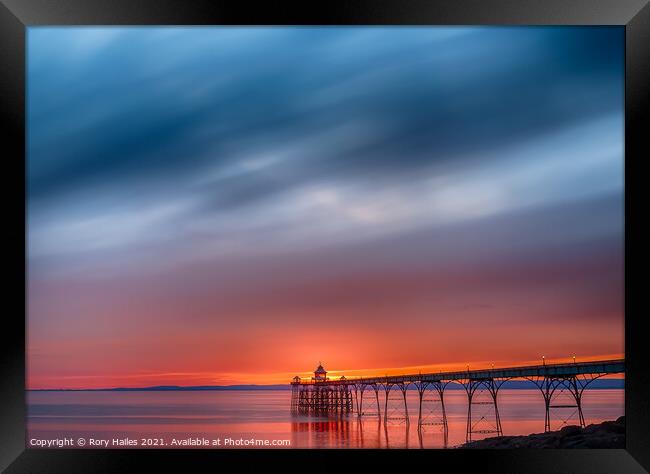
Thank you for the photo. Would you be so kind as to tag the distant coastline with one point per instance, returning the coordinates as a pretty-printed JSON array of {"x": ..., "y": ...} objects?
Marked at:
[
  {"x": 168, "y": 388},
  {"x": 509, "y": 385}
]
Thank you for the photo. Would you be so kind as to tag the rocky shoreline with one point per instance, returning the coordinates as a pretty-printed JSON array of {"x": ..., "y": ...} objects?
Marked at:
[{"x": 609, "y": 434}]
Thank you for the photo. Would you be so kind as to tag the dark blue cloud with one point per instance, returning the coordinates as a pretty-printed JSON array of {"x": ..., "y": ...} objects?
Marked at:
[
  {"x": 132, "y": 107},
  {"x": 217, "y": 140}
]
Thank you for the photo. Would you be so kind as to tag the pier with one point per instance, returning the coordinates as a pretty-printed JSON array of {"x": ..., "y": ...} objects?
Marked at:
[{"x": 385, "y": 397}]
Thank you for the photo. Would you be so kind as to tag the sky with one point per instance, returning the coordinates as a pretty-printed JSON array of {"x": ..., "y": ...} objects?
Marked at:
[{"x": 227, "y": 205}]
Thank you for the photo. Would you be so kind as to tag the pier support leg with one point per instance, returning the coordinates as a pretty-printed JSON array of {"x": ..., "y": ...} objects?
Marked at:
[
  {"x": 431, "y": 407},
  {"x": 386, "y": 392},
  {"x": 472, "y": 387},
  {"x": 421, "y": 386},
  {"x": 494, "y": 391},
  {"x": 403, "y": 388},
  {"x": 348, "y": 399},
  {"x": 445, "y": 427},
  {"x": 576, "y": 391},
  {"x": 553, "y": 387},
  {"x": 364, "y": 389},
  {"x": 468, "y": 429},
  {"x": 388, "y": 409},
  {"x": 378, "y": 405}
]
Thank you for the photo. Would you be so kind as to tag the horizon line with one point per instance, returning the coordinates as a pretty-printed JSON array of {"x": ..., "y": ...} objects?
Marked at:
[
  {"x": 198, "y": 388},
  {"x": 221, "y": 386}
]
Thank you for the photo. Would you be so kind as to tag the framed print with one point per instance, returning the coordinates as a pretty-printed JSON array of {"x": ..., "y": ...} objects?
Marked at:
[{"x": 394, "y": 232}]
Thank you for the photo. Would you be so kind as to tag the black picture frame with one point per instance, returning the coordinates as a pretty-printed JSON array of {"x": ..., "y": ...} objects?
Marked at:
[{"x": 17, "y": 15}]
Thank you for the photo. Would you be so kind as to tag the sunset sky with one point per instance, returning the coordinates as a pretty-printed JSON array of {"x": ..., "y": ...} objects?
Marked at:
[{"x": 233, "y": 205}]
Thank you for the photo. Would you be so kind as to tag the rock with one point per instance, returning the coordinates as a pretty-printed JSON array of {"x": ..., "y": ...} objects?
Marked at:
[
  {"x": 570, "y": 431},
  {"x": 608, "y": 434}
]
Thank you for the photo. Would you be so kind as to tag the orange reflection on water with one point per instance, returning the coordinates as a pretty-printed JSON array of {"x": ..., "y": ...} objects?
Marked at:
[{"x": 266, "y": 415}]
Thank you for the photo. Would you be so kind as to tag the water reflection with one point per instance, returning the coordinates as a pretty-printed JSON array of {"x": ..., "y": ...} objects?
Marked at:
[
  {"x": 333, "y": 431},
  {"x": 433, "y": 436},
  {"x": 362, "y": 432},
  {"x": 397, "y": 436},
  {"x": 266, "y": 415},
  {"x": 369, "y": 432}
]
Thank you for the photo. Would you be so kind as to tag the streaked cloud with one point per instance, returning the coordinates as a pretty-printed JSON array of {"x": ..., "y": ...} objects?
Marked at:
[{"x": 251, "y": 176}]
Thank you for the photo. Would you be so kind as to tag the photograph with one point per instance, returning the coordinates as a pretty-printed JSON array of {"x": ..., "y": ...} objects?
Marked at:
[{"x": 325, "y": 237}]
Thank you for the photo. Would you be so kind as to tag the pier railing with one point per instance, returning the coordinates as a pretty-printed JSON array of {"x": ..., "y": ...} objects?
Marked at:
[{"x": 542, "y": 370}]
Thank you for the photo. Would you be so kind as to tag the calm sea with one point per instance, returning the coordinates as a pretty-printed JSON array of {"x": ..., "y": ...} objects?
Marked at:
[{"x": 265, "y": 415}]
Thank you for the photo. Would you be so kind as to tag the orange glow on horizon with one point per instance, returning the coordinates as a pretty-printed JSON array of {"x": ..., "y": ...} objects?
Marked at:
[{"x": 186, "y": 379}]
